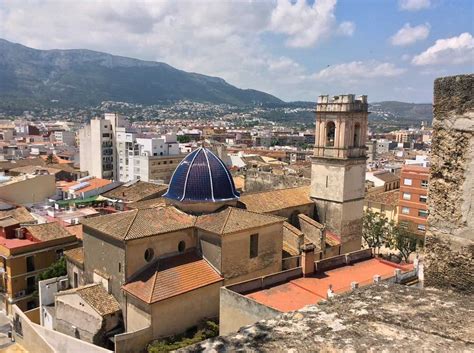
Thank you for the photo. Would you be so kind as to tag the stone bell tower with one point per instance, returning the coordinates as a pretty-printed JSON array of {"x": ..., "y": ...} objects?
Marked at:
[{"x": 338, "y": 166}]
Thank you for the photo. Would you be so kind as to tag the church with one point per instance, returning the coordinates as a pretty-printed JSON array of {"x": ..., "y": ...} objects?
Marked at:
[{"x": 164, "y": 264}]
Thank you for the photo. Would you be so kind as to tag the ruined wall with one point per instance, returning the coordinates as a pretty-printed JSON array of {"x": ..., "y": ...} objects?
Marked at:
[
  {"x": 262, "y": 181},
  {"x": 450, "y": 236}
]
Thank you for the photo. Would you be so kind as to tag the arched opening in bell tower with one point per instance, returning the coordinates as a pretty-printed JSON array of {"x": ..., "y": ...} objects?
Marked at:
[
  {"x": 330, "y": 133},
  {"x": 356, "y": 135}
]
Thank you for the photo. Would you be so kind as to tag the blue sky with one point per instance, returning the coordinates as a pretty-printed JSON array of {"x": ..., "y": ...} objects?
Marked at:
[{"x": 387, "y": 49}]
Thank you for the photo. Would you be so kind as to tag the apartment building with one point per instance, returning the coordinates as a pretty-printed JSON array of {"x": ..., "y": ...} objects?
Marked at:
[
  {"x": 64, "y": 137},
  {"x": 413, "y": 209},
  {"x": 26, "y": 250},
  {"x": 97, "y": 146},
  {"x": 147, "y": 159}
]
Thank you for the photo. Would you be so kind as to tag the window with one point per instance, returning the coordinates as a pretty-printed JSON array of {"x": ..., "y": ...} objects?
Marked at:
[
  {"x": 423, "y": 213},
  {"x": 406, "y": 196},
  {"x": 330, "y": 134},
  {"x": 423, "y": 198},
  {"x": 356, "y": 135},
  {"x": 149, "y": 254},
  {"x": 30, "y": 284},
  {"x": 105, "y": 135},
  {"x": 407, "y": 181},
  {"x": 181, "y": 246},
  {"x": 405, "y": 210},
  {"x": 76, "y": 280},
  {"x": 424, "y": 184},
  {"x": 403, "y": 224},
  {"x": 421, "y": 227},
  {"x": 120, "y": 267},
  {"x": 253, "y": 245},
  {"x": 30, "y": 263}
]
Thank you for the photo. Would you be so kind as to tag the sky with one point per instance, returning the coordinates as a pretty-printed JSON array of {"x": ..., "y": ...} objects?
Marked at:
[{"x": 296, "y": 50}]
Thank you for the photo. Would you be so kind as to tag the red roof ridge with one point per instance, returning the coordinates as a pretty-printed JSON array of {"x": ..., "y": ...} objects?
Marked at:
[
  {"x": 226, "y": 220},
  {"x": 130, "y": 225}
]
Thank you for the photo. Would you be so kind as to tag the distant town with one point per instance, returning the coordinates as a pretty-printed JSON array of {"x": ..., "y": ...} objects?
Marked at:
[{"x": 129, "y": 216}]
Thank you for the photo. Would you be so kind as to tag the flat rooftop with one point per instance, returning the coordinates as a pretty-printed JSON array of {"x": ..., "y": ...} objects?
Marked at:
[{"x": 298, "y": 293}]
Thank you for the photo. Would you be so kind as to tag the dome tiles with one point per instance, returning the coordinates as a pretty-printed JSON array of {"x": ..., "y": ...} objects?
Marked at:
[{"x": 201, "y": 177}]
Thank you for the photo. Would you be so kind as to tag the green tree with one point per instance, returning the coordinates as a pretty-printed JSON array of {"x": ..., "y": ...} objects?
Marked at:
[
  {"x": 50, "y": 159},
  {"x": 402, "y": 240},
  {"x": 183, "y": 139},
  {"x": 56, "y": 269},
  {"x": 375, "y": 229}
]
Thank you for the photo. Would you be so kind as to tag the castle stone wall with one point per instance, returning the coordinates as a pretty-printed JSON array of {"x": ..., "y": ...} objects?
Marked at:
[{"x": 450, "y": 237}]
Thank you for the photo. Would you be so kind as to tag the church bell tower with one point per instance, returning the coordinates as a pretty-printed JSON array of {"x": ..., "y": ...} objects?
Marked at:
[{"x": 338, "y": 166}]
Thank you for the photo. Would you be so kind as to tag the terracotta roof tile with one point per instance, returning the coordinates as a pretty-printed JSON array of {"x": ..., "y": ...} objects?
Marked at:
[
  {"x": 233, "y": 219},
  {"x": 75, "y": 230},
  {"x": 75, "y": 255},
  {"x": 172, "y": 276},
  {"x": 21, "y": 214},
  {"x": 47, "y": 231},
  {"x": 140, "y": 223},
  {"x": 274, "y": 200},
  {"x": 387, "y": 177},
  {"x": 97, "y": 297},
  {"x": 138, "y": 191},
  {"x": 386, "y": 198},
  {"x": 160, "y": 201}
]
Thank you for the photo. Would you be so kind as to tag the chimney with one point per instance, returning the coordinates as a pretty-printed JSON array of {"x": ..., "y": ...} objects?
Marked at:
[{"x": 307, "y": 259}]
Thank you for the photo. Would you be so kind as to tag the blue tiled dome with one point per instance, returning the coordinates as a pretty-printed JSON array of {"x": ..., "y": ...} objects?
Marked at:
[{"x": 201, "y": 177}]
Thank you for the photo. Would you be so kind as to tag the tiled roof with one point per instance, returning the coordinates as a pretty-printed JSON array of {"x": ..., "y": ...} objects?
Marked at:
[
  {"x": 8, "y": 221},
  {"x": 76, "y": 230},
  {"x": 97, "y": 297},
  {"x": 274, "y": 200},
  {"x": 31, "y": 169},
  {"x": 387, "y": 177},
  {"x": 76, "y": 255},
  {"x": 172, "y": 276},
  {"x": 140, "y": 223},
  {"x": 233, "y": 219},
  {"x": 386, "y": 198},
  {"x": 47, "y": 231},
  {"x": 138, "y": 191},
  {"x": 21, "y": 214},
  {"x": 159, "y": 201}
]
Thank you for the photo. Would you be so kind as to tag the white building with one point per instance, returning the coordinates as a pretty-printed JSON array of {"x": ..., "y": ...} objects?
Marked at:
[
  {"x": 147, "y": 159},
  {"x": 97, "y": 146},
  {"x": 65, "y": 137}
]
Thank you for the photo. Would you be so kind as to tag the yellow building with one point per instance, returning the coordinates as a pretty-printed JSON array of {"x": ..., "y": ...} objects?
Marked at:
[
  {"x": 25, "y": 252},
  {"x": 385, "y": 203}
]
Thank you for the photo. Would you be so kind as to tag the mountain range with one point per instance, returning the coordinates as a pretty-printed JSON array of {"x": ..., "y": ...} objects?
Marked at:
[
  {"x": 81, "y": 77},
  {"x": 32, "y": 78}
]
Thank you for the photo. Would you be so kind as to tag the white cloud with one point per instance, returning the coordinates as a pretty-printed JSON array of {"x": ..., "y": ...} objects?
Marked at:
[
  {"x": 358, "y": 71},
  {"x": 455, "y": 50},
  {"x": 346, "y": 28},
  {"x": 408, "y": 35},
  {"x": 307, "y": 24},
  {"x": 414, "y": 5}
]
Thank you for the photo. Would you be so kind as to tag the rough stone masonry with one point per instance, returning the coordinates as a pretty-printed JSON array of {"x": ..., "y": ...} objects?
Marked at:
[
  {"x": 449, "y": 259},
  {"x": 378, "y": 318}
]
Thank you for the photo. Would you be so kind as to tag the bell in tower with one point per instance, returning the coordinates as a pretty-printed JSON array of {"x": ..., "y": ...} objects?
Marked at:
[{"x": 338, "y": 166}]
